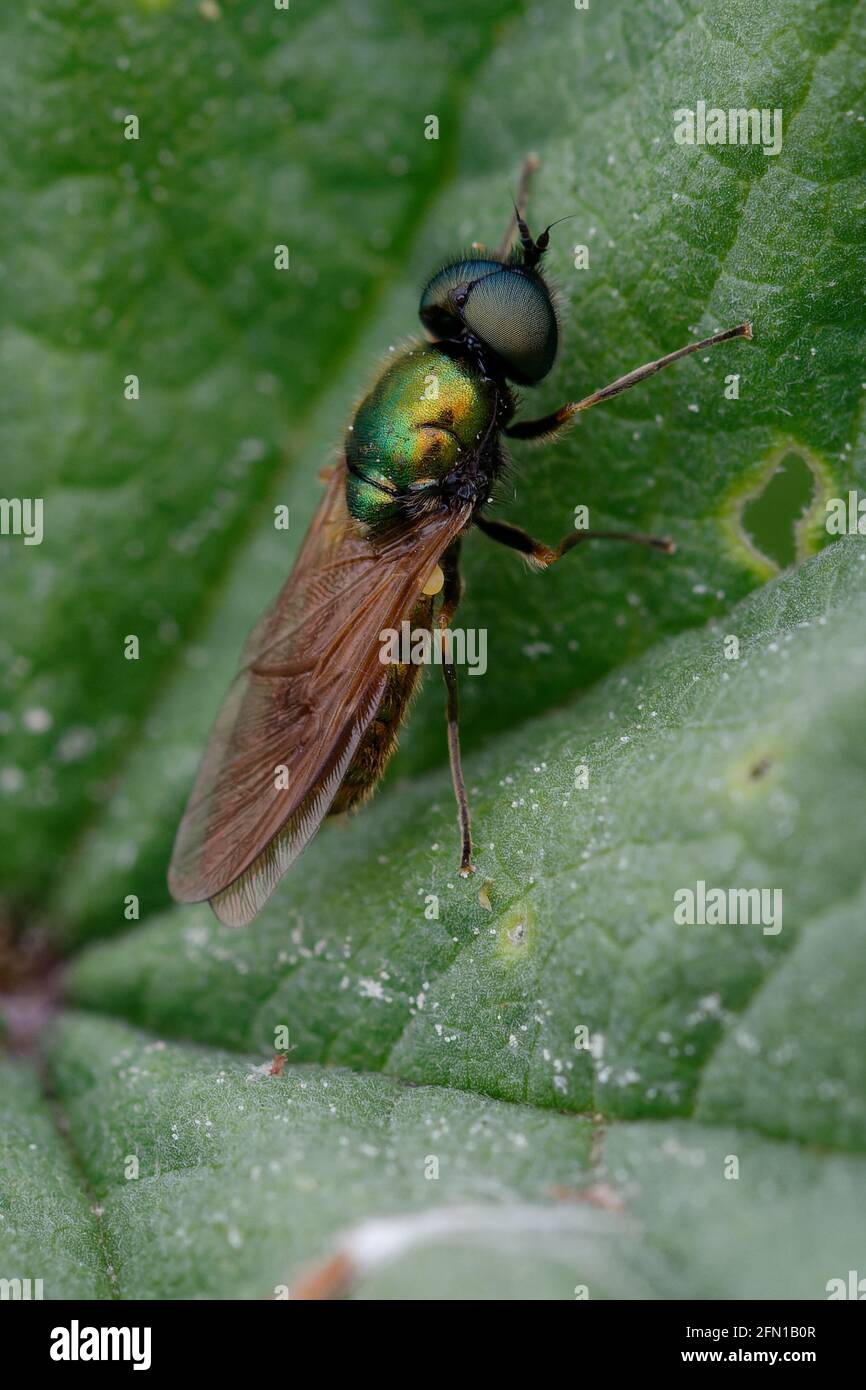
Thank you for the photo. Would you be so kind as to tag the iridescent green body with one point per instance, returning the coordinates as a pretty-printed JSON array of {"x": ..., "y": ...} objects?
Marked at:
[{"x": 428, "y": 413}]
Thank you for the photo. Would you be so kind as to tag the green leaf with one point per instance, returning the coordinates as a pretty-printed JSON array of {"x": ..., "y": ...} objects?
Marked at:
[
  {"x": 687, "y": 781},
  {"x": 241, "y": 1177},
  {"x": 535, "y": 1083},
  {"x": 737, "y": 1044},
  {"x": 736, "y": 1040},
  {"x": 215, "y": 1179},
  {"x": 48, "y": 1228},
  {"x": 248, "y": 374}
]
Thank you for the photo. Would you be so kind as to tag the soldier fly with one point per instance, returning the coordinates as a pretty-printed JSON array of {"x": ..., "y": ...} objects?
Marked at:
[{"x": 313, "y": 716}]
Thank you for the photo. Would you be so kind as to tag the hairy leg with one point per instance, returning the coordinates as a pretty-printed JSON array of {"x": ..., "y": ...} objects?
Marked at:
[
  {"x": 550, "y": 425},
  {"x": 542, "y": 556}
]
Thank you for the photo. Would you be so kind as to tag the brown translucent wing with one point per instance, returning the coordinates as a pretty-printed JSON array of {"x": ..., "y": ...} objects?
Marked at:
[{"x": 309, "y": 685}]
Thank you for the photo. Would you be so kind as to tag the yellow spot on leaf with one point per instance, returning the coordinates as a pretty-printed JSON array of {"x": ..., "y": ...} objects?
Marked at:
[
  {"x": 515, "y": 929},
  {"x": 756, "y": 770}
]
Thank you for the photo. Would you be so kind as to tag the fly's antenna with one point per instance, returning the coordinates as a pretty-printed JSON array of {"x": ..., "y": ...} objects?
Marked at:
[
  {"x": 544, "y": 240},
  {"x": 533, "y": 250}
]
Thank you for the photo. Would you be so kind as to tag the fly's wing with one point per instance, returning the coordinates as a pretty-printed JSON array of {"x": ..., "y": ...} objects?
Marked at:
[{"x": 309, "y": 685}]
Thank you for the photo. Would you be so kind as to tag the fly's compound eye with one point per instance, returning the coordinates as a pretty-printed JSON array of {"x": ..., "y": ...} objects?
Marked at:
[
  {"x": 446, "y": 295},
  {"x": 508, "y": 308},
  {"x": 511, "y": 311}
]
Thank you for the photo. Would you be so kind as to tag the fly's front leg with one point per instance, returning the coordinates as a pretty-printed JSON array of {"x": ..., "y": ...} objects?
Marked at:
[
  {"x": 451, "y": 594},
  {"x": 541, "y": 556},
  {"x": 549, "y": 426}
]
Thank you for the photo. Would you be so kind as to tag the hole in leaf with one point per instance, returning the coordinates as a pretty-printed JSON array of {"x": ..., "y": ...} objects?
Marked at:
[{"x": 770, "y": 519}]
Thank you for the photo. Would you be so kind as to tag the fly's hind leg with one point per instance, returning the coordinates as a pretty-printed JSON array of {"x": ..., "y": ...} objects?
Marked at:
[
  {"x": 541, "y": 556},
  {"x": 514, "y": 228},
  {"x": 516, "y": 224},
  {"x": 451, "y": 594}
]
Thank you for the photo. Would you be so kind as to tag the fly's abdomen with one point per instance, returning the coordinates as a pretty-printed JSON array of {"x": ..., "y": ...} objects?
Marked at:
[
  {"x": 427, "y": 413},
  {"x": 380, "y": 741}
]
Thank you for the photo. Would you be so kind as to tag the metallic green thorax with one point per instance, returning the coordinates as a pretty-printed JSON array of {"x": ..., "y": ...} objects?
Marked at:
[{"x": 427, "y": 413}]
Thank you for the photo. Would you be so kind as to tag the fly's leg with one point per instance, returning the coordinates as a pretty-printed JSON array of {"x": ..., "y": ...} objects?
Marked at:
[
  {"x": 550, "y": 425},
  {"x": 451, "y": 594},
  {"x": 514, "y": 228},
  {"x": 541, "y": 556}
]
